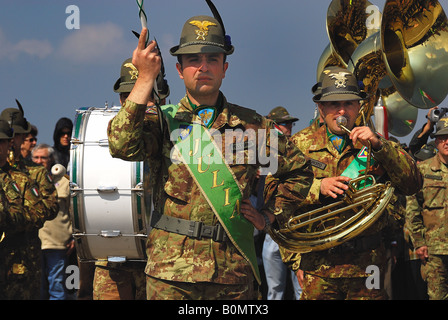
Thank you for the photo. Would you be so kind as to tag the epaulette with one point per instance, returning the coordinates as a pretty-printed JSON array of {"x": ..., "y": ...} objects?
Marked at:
[
  {"x": 245, "y": 114},
  {"x": 184, "y": 116}
]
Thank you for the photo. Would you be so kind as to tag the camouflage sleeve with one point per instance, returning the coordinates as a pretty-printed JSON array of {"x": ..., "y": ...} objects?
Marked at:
[
  {"x": 129, "y": 137},
  {"x": 35, "y": 210},
  {"x": 35, "y": 204},
  {"x": 400, "y": 167},
  {"x": 287, "y": 186},
  {"x": 313, "y": 196},
  {"x": 47, "y": 191},
  {"x": 12, "y": 210},
  {"x": 24, "y": 210},
  {"x": 414, "y": 219}
]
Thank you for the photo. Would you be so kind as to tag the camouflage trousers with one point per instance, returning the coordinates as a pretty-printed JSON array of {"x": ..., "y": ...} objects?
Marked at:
[
  {"x": 325, "y": 288},
  {"x": 20, "y": 278},
  {"x": 20, "y": 286},
  {"x": 120, "y": 282},
  {"x": 435, "y": 273},
  {"x": 158, "y": 289}
]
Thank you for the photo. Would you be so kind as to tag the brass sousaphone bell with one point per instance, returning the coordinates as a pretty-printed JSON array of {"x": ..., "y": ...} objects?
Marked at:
[
  {"x": 406, "y": 62},
  {"x": 406, "y": 59}
]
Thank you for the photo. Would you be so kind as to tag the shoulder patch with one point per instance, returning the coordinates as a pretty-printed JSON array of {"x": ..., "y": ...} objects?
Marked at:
[
  {"x": 151, "y": 110},
  {"x": 15, "y": 186},
  {"x": 279, "y": 131},
  {"x": 35, "y": 192},
  {"x": 49, "y": 178}
]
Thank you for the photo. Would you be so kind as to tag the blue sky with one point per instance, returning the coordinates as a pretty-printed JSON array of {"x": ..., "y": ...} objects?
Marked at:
[{"x": 53, "y": 71}]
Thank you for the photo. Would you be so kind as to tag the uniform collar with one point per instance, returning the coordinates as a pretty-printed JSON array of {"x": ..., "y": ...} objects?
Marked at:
[
  {"x": 226, "y": 114},
  {"x": 321, "y": 142},
  {"x": 437, "y": 165}
]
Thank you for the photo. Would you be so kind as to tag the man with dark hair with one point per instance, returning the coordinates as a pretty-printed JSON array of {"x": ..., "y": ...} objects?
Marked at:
[
  {"x": 61, "y": 137},
  {"x": 29, "y": 142},
  {"x": 201, "y": 245},
  {"x": 340, "y": 272}
]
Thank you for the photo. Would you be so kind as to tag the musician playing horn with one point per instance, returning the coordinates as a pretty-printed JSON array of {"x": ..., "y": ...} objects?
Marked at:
[{"x": 341, "y": 271}]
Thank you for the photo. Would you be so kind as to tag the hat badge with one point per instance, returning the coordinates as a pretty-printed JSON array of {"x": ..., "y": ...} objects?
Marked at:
[
  {"x": 203, "y": 28},
  {"x": 445, "y": 122},
  {"x": 133, "y": 72},
  {"x": 341, "y": 79}
]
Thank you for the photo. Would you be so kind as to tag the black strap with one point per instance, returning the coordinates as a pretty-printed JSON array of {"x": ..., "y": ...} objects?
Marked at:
[
  {"x": 189, "y": 228},
  {"x": 358, "y": 244}
]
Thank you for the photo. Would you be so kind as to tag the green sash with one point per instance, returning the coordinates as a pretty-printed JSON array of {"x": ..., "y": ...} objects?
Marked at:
[
  {"x": 358, "y": 164},
  {"x": 197, "y": 150}
]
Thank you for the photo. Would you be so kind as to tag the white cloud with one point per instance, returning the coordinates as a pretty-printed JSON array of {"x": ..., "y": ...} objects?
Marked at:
[
  {"x": 95, "y": 44},
  {"x": 32, "y": 47}
]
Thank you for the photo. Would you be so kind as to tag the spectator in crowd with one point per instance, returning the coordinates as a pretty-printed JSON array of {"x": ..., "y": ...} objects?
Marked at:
[
  {"x": 29, "y": 143},
  {"x": 56, "y": 234},
  {"x": 61, "y": 137}
]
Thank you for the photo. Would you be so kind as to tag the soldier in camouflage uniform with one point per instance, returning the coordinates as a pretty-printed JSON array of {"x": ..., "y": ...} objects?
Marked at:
[
  {"x": 193, "y": 252},
  {"x": 426, "y": 217},
  {"x": 18, "y": 270},
  {"x": 126, "y": 281},
  {"x": 340, "y": 272},
  {"x": 13, "y": 214},
  {"x": 41, "y": 176}
]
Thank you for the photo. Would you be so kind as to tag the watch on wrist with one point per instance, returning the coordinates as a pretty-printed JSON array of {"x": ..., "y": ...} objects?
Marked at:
[{"x": 267, "y": 222}]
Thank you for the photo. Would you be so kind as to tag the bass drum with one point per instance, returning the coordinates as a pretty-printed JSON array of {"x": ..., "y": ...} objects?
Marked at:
[{"x": 109, "y": 214}]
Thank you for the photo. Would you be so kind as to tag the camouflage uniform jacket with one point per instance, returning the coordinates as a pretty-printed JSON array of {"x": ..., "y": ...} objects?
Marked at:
[
  {"x": 34, "y": 214},
  {"x": 427, "y": 211},
  {"x": 27, "y": 214},
  {"x": 13, "y": 214},
  {"x": 177, "y": 257},
  {"x": 327, "y": 162},
  {"x": 44, "y": 181}
]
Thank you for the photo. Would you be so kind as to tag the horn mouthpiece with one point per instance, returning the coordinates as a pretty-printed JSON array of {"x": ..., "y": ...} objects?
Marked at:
[{"x": 341, "y": 121}]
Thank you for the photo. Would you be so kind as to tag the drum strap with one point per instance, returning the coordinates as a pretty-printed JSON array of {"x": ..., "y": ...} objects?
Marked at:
[{"x": 192, "y": 229}]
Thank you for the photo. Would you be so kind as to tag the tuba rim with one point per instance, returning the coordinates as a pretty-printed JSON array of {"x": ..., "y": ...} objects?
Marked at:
[
  {"x": 415, "y": 33},
  {"x": 304, "y": 242}
]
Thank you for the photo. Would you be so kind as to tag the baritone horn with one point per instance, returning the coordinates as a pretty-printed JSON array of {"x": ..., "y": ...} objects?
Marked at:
[
  {"x": 407, "y": 56},
  {"x": 330, "y": 225}
]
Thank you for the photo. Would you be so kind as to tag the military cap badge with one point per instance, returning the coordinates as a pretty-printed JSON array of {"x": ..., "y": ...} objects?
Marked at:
[{"x": 202, "y": 31}]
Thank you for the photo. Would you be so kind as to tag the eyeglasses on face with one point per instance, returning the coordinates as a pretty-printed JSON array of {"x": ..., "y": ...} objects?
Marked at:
[{"x": 31, "y": 139}]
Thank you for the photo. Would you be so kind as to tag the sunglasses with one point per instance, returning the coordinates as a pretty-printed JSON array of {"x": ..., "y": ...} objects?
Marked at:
[
  {"x": 31, "y": 139},
  {"x": 286, "y": 123}
]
